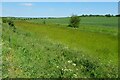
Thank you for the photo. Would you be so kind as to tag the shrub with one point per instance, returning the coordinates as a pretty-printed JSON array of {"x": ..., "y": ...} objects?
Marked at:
[
  {"x": 11, "y": 24},
  {"x": 4, "y": 20},
  {"x": 74, "y": 21}
]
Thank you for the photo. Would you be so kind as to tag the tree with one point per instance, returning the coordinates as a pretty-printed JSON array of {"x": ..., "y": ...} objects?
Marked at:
[
  {"x": 117, "y": 15},
  {"x": 108, "y": 15},
  {"x": 74, "y": 21}
]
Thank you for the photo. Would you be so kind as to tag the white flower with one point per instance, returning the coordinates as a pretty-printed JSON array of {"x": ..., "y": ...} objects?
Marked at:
[
  {"x": 75, "y": 75},
  {"x": 65, "y": 69},
  {"x": 70, "y": 61},
  {"x": 74, "y": 64}
]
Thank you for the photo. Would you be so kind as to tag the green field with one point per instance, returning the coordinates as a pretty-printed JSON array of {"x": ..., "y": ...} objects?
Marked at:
[
  {"x": 53, "y": 50},
  {"x": 104, "y": 24}
]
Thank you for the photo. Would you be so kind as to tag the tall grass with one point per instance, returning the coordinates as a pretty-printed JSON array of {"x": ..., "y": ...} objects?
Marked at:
[
  {"x": 99, "y": 45},
  {"x": 106, "y": 25},
  {"x": 28, "y": 53}
]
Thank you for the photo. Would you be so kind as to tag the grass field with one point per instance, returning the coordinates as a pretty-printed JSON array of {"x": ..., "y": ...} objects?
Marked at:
[
  {"x": 53, "y": 50},
  {"x": 104, "y": 21},
  {"x": 104, "y": 24}
]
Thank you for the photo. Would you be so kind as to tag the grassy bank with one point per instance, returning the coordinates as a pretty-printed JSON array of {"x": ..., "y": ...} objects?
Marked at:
[
  {"x": 26, "y": 55},
  {"x": 52, "y": 50},
  {"x": 95, "y": 44}
]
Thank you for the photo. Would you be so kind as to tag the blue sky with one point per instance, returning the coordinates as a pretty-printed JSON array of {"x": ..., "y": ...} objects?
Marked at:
[
  {"x": 60, "y": 0},
  {"x": 57, "y": 9}
]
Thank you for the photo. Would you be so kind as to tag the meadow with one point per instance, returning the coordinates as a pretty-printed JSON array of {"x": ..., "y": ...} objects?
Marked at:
[{"x": 53, "y": 50}]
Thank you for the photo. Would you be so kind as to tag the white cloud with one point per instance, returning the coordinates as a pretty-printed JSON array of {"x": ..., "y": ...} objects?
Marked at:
[{"x": 27, "y": 4}]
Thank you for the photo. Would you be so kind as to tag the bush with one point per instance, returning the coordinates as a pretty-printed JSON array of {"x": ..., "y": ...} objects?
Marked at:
[
  {"x": 4, "y": 21},
  {"x": 11, "y": 24},
  {"x": 74, "y": 21}
]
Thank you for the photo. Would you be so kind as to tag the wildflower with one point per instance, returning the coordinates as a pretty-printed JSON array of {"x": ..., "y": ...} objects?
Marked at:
[
  {"x": 75, "y": 75},
  {"x": 66, "y": 69},
  {"x": 74, "y": 64},
  {"x": 57, "y": 66},
  {"x": 70, "y": 61}
]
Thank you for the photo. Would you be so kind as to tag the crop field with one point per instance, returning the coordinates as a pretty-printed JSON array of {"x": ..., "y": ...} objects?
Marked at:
[{"x": 54, "y": 50}]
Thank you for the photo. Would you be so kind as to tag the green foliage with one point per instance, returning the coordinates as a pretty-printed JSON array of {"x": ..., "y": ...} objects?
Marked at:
[
  {"x": 30, "y": 56},
  {"x": 10, "y": 23},
  {"x": 52, "y": 51},
  {"x": 4, "y": 20},
  {"x": 108, "y": 15},
  {"x": 74, "y": 21}
]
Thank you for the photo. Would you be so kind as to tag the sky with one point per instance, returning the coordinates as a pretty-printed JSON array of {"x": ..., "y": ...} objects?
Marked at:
[
  {"x": 60, "y": 0},
  {"x": 57, "y": 9}
]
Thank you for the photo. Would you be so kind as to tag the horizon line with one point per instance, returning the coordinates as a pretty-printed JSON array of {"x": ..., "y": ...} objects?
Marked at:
[{"x": 62, "y": 16}]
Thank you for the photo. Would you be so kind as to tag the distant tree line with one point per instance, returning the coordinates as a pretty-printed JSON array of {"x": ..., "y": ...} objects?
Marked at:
[
  {"x": 84, "y": 15},
  {"x": 107, "y": 15},
  {"x": 22, "y": 18}
]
